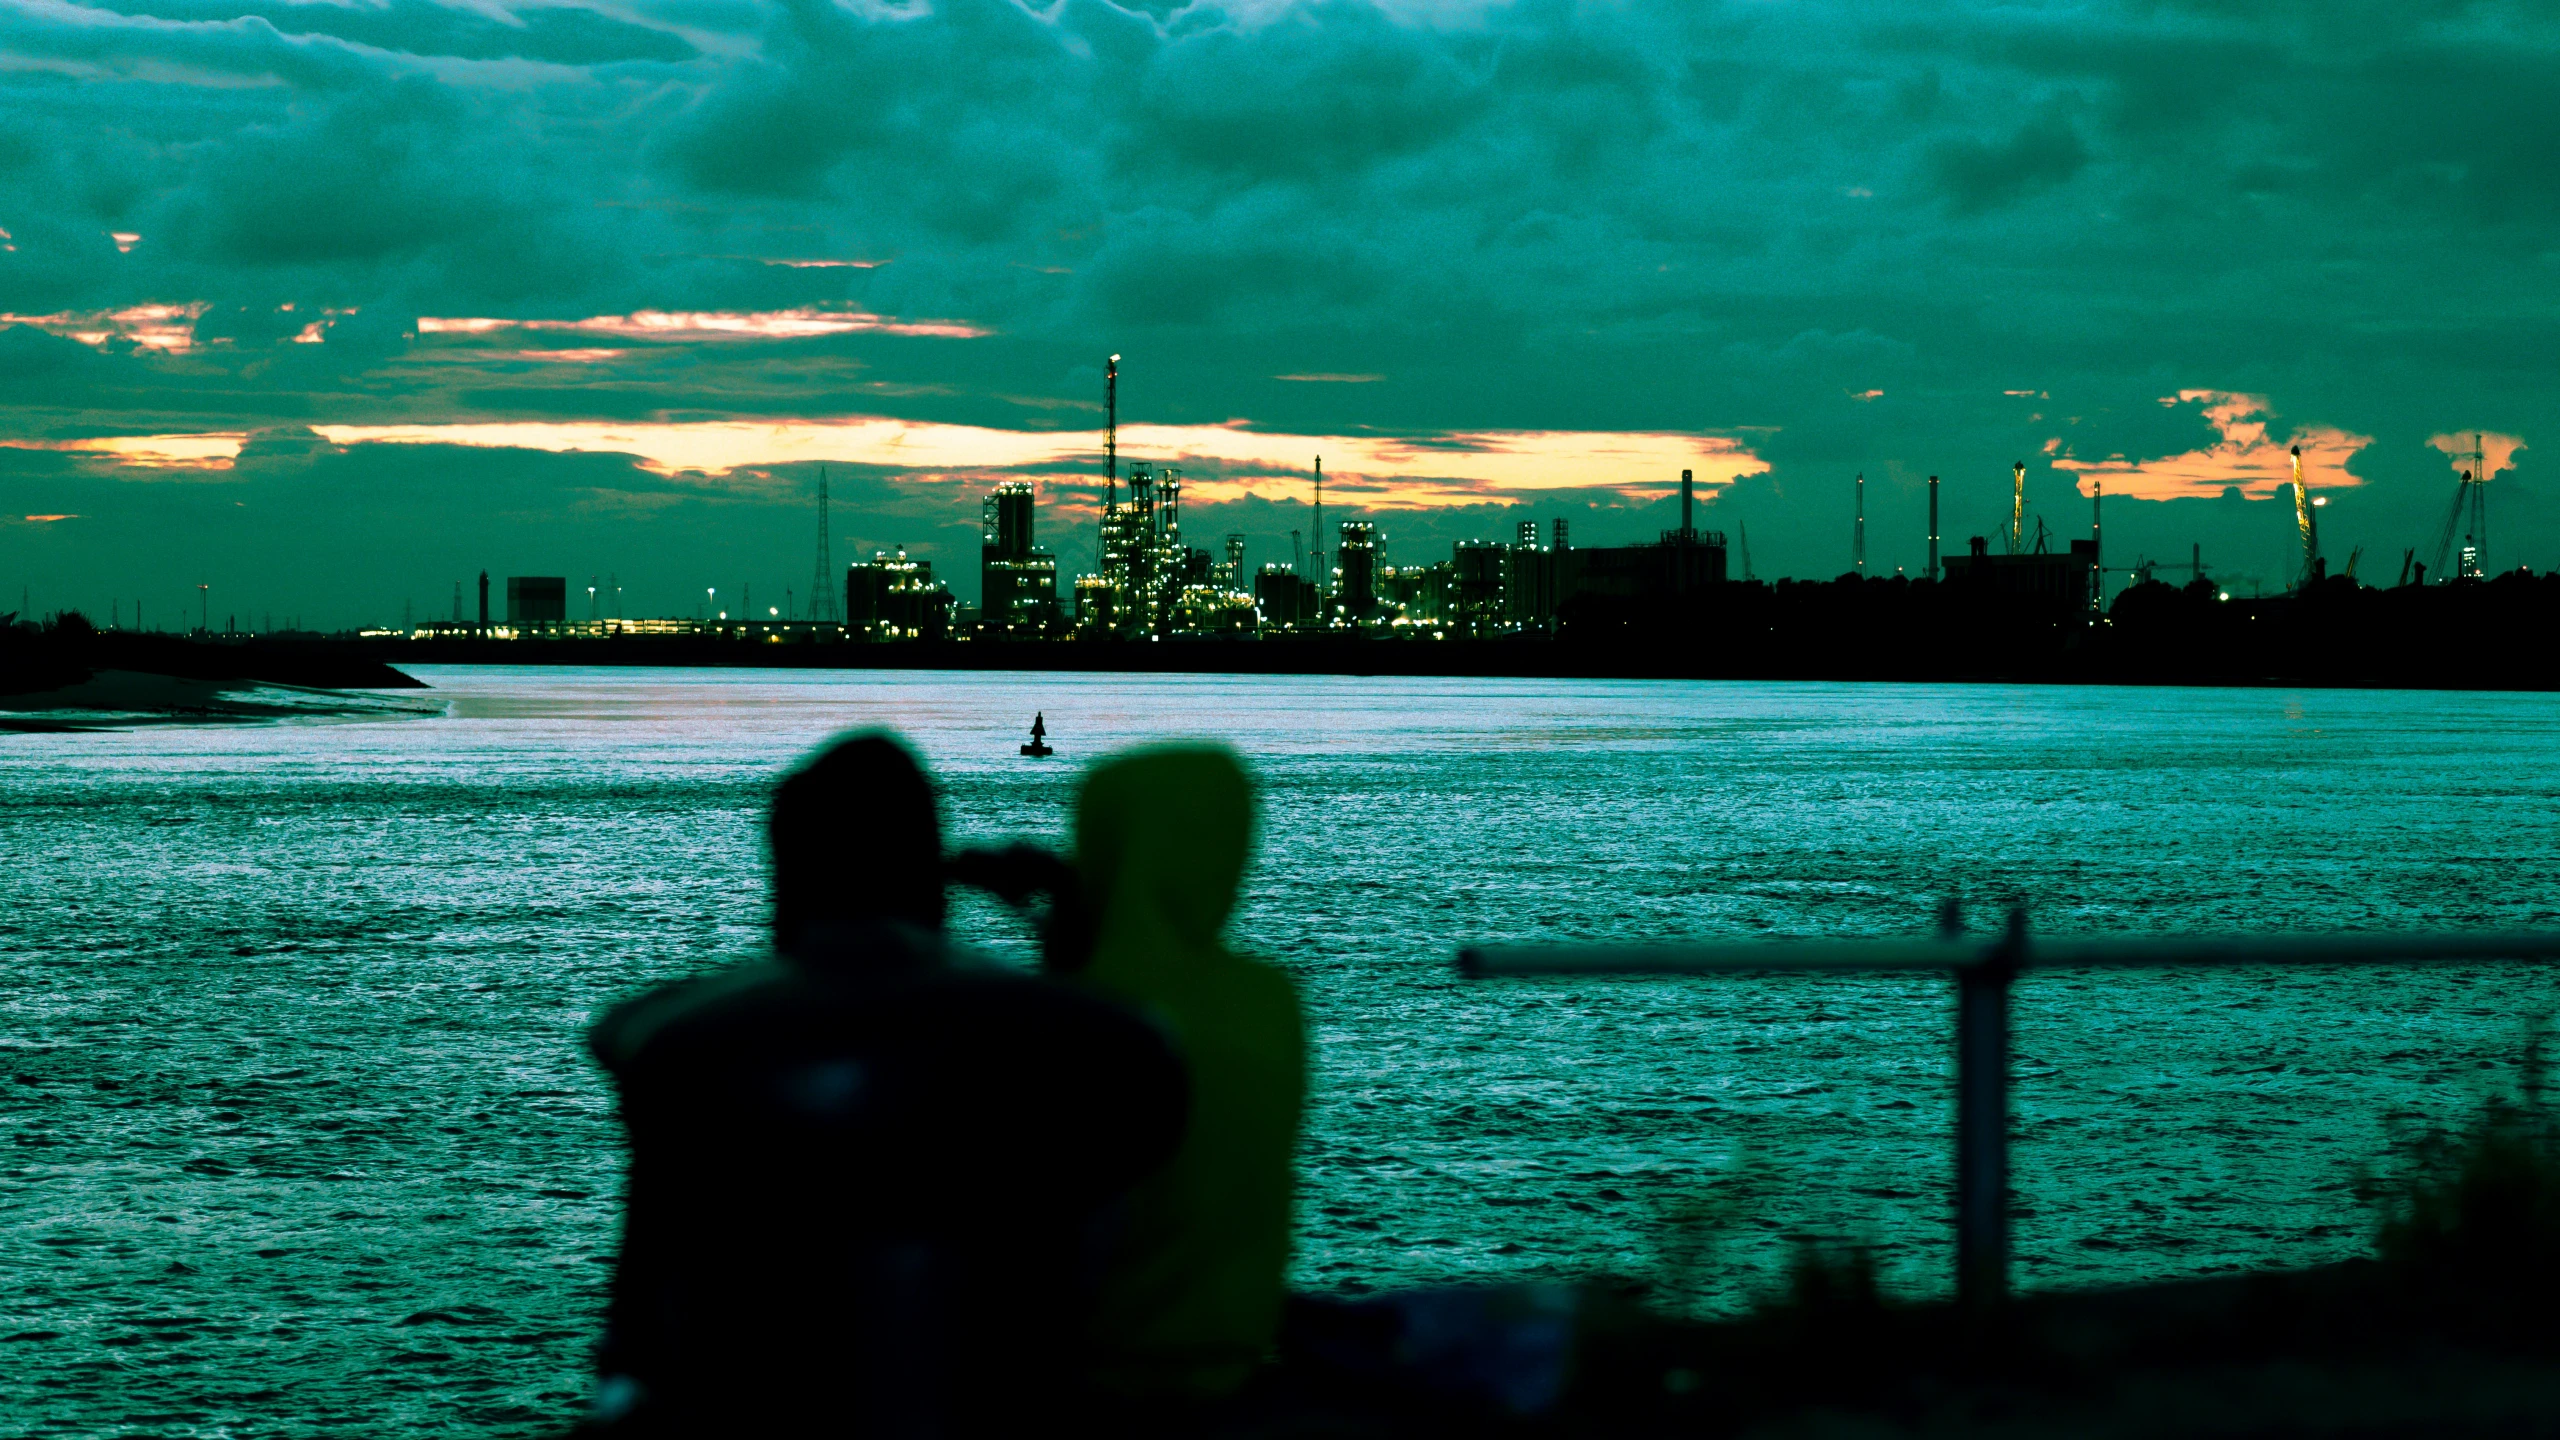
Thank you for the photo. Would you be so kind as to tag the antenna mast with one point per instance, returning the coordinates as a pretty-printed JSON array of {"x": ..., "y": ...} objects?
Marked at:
[
  {"x": 1858, "y": 546},
  {"x": 1102, "y": 550}
]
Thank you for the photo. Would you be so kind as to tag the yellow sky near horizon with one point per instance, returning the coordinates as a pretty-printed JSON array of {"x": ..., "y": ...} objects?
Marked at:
[{"x": 1377, "y": 472}]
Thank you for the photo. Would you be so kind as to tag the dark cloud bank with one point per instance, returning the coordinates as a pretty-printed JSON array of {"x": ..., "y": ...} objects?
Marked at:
[{"x": 1735, "y": 218}]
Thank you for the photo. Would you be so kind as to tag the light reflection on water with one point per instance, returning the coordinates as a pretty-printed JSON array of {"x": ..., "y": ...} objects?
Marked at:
[{"x": 300, "y": 1137}]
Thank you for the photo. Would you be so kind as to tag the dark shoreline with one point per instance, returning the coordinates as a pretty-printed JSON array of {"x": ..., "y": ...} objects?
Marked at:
[
  {"x": 2501, "y": 634},
  {"x": 1542, "y": 659}
]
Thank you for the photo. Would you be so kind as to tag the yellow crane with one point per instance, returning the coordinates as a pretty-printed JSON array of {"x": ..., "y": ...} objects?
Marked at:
[
  {"x": 2471, "y": 495},
  {"x": 2017, "y": 506}
]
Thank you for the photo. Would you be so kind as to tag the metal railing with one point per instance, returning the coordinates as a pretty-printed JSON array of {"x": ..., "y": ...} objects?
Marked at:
[{"x": 1984, "y": 968}]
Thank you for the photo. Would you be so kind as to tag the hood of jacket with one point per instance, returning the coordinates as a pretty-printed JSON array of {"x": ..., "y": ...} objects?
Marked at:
[{"x": 1161, "y": 839}]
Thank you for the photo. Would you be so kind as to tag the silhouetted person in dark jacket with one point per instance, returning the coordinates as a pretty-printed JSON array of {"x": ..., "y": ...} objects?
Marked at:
[{"x": 871, "y": 1180}]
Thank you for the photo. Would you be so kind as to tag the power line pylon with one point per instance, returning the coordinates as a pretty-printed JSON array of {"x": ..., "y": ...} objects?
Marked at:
[{"x": 822, "y": 587}]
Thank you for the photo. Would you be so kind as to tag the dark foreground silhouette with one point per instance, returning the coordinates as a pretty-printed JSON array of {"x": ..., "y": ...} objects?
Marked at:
[
  {"x": 1191, "y": 1302},
  {"x": 876, "y": 1190},
  {"x": 873, "y": 1188}
]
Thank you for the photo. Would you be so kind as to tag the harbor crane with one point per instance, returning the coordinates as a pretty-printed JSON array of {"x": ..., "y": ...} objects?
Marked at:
[
  {"x": 2471, "y": 502},
  {"x": 2017, "y": 506}
]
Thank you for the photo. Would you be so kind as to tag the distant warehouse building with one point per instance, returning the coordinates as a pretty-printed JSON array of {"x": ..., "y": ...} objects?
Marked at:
[
  {"x": 1684, "y": 561},
  {"x": 2051, "y": 579},
  {"x": 537, "y": 600}
]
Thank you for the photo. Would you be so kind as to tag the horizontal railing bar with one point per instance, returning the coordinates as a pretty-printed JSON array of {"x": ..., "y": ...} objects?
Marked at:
[
  {"x": 1767, "y": 955},
  {"x": 2352, "y": 947}
]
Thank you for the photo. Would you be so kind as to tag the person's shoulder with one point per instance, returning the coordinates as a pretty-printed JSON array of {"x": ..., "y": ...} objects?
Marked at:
[
  {"x": 1261, "y": 978},
  {"x": 626, "y": 1030}
]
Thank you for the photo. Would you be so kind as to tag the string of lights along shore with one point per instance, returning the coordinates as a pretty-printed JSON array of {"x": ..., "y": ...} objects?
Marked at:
[{"x": 1151, "y": 583}]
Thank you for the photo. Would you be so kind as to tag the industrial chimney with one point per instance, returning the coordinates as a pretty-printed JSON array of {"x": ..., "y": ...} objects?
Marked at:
[{"x": 1688, "y": 532}]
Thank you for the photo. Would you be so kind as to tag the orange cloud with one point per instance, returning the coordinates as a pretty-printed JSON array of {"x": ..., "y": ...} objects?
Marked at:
[
  {"x": 803, "y": 323},
  {"x": 2243, "y": 456},
  {"x": 48, "y": 519},
  {"x": 1462, "y": 468},
  {"x": 572, "y": 355},
  {"x": 149, "y": 452},
  {"x": 169, "y": 328},
  {"x": 2497, "y": 452}
]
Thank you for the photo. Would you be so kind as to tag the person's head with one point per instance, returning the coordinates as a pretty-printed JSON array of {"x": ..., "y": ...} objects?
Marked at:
[
  {"x": 1166, "y": 829},
  {"x": 857, "y": 838}
]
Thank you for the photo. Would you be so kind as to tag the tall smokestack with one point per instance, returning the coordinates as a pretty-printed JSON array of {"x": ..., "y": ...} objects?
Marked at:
[
  {"x": 1686, "y": 529},
  {"x": 484, "y": 599},
  {"x": 2097, "y": 545},
  {"x": 1316, "y": 556},
  {"x": 1933, "y": 527}
]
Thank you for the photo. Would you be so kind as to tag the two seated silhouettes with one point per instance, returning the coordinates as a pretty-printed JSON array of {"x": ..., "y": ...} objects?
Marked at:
[{"x": 881, "y": 1186}]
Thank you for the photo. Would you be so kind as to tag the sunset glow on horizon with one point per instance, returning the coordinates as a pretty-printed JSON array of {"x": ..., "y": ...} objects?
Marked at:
[
  {"x": 1405, "y": 472},
  {"x": 214, "y": 451}
]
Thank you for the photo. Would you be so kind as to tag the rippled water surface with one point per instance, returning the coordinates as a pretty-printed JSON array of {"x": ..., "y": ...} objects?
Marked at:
[{"x": 296, "y": 1137}]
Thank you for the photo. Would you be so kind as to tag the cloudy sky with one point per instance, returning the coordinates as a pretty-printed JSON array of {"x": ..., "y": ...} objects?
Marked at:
[{"x": 330, "y": 305}]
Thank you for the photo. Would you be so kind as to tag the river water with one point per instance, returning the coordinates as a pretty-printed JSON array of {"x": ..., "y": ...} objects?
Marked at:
[{"x": 297, "y": 1138}]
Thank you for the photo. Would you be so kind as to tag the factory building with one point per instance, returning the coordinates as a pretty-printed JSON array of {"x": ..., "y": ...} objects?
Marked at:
[
  {"x": 1415, "y": 595},
  {"x": 895, "y": 597},
  {"x": 1479, "y": 571},
  {"x": 1529, "y": 580},
  {"x": 1356, "y": 574},
  {"x": 1682, "y": 562},
  {"x": 2043, "y": 578},
  {"x": 1148, "y": 573},
  {"x": 1284, "y": 597},
  {"x": 1017, "y": 580},
  {"x": 535, "y": 600}
]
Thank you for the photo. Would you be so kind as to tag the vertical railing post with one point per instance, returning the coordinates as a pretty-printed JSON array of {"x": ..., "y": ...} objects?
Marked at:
[{"x": 1982, "y": 1117}]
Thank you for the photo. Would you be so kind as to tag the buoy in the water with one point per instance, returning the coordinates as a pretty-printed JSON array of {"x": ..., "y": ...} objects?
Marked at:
[{"x": 1039, "y": 745}]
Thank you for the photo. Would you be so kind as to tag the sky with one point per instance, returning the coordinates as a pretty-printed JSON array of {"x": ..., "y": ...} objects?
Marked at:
[{"x": 331, "y": 306}]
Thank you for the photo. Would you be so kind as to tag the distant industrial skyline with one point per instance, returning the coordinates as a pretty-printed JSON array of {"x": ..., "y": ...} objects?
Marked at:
[{"x": 327, "y": 307}]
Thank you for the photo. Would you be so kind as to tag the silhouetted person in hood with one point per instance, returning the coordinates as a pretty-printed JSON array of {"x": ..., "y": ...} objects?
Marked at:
[
  {"x": 1192, "y": 1300},
  {"x": 870, "y": 1178}
]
